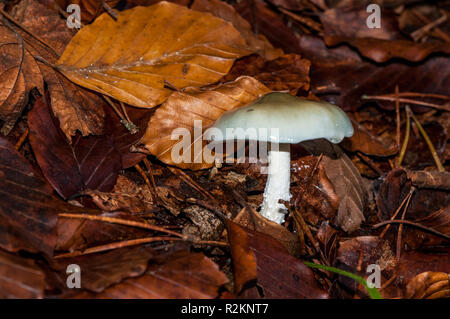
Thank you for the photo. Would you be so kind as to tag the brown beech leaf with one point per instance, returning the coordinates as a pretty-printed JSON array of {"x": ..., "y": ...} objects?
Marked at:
[
  {"x": 378, "y": 44},
  {"x": 365, "y": 142},
  {"x": 100, "y": 271},
  {"x": 251, "y": 219},
  {"x": 343, "y": 78},
  {"x": 258, "y": 44},
  {"x": 25, "y": 199},
  {"x": 346, "y": 181},
  {"x": 280, "y": 275},
  {"x": 288, "y": 72},
  {"x": 19, "y": 73},
  {"x": 20, "y": 278},
  {"x": 244, "y": 260},
  {"x": 429, "y": 285},
  {"x": 134, "y": 58},
  {"x": 77, "y": 109},
  {"x": 88, "y": 163},
  {"x": 183, "y": 108},
  {"x": 186, "y": 276}
]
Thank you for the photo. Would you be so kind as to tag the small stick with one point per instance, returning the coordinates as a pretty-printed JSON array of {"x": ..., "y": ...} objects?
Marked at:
[
  {"x": 400, "y": 228},
  {"x": 401, "y": 100},
  {"x": 369, "y": 162},
  {"x": 110, "y": 11},
  {"x": 397, "y": 211},
  {"x": 120, "y": 221},
  {"x": 22, "y": 139},
  {"x": 424, "y": 95},
  {"x": 188, "y": 180},
  {"x": 130, "y": 126},
  {"x": 419, "y": 226},
  {"x": 397, "y": 112},
  {"x": 419, "y": 33},
  {"x": 116, "y": 245},
  {"x": 428, "y": 141},
  {"x": 405, "y": 140},
  {"x": 144, "y": 176}
]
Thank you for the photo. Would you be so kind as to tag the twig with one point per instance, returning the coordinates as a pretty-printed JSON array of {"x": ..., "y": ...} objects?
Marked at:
[
  {"x": 22, "y": 139},
  {"x": 188, "y": 180},
  {"x": 144, "y": 176},
  {"x": 405, "y": 140},
  {"x": 120, "y": 221},
  {"x": 130, "y": 126},
  {"x": 419, "y": 33},
  {"x": 400, "y": 228},
  {"x": 401, "y": 100},
  {"x": 419, "y": 226},
  {"x": 428, "y": 141},
  {"x": 116, "y": 245},
  {"x": 397, "y": 211},
  {"x": 424, "y": 95},
  {"x": 110, "y": 11},
  {"x": 397, "y": 113}
]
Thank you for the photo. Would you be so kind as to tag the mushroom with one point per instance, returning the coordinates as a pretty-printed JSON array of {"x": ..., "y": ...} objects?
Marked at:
[{"x": 296, "y": 120}]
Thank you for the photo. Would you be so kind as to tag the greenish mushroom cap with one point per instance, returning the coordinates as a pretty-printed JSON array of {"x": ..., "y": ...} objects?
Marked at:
[{"x": 297, "y": 120}]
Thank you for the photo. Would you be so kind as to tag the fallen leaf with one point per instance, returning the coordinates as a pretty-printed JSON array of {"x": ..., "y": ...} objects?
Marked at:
[
  {"x": 251, "y": 219},
  {"x": 132, "y": 59},
  {"x": 258, "y": 44},
  {"x": 429, "y": 285},
  {"x": 367, "y": 143},
  {"x": 76, "y": 109},
  {"x": 288, "y": 72},
  {"x": 88, "y": 163},
  {"x": 189, "y": 276},
  {"x": 341, "y": 77},
  {"x": 20, "y": 278},
  {"x": 89, "y": 8},
  {"x": 183, "y": 108},
  {"x": 379, "y": 44},
  {"x": 19, "y": 73}
]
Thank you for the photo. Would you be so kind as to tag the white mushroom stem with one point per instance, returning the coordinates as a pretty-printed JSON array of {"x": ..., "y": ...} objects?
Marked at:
[{"x": 278, "y": 183}]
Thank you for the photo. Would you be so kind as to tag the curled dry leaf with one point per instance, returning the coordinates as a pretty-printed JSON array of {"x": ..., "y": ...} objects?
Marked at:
[
  {"x": 379, "y": 44},
  {"x": 429, "y": 285},
  {"x": 258, "y": 44},
  {"x": 134, "y": 58},
  {"x": 88, "y": 163},
  {"x": 183, "y": 108},
  {"x": 251, "y": 219},
  {"x": 76, "y": 109},
  {"x": 288, "y": 72},
  {"x": 20, "y": 278},
  {"x": 430, "y": 179},
  {"x": 189, "y": 276}
]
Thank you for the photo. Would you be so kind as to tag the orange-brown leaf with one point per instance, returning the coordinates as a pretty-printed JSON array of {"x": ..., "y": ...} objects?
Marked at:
[{"x": 148, "y": 49}]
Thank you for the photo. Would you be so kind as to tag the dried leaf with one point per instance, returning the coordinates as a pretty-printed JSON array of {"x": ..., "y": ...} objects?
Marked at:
[
  {"x": 288, "y": 72},
  {"x": 20, "y": 278},
  {"x": 365, "y": 142},
  {"x": 89, "y": 8},
  {"x": 379, "y": 44},
  {"x": 251, "y": 219},
  {"x": 182, "y": 108},
  {"x": 429, "y": 285},
  {"x": 19, "y": 73},
  {"x": 89, "y": 163},
  {"x": 192, "y": 276},
  {"x": 430, "y": 179},
  {"x": 258, "y": 44},
  {"x": 132, "y": 59},
  {"x": 76, "y": 109}
]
